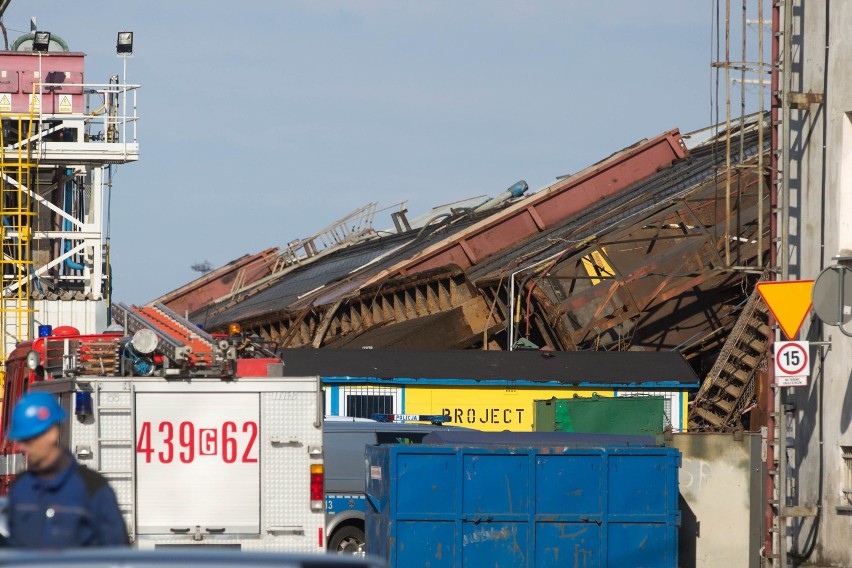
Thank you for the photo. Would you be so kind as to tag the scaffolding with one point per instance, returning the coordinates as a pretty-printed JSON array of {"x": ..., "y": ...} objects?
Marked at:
[{"x": 746, "y": 77}]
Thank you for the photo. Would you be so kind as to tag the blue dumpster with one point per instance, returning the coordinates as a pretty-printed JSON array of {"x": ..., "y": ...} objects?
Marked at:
[{"x": 511, "y": 503}]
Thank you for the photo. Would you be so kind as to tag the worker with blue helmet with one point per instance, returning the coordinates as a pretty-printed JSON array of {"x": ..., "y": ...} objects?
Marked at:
[
  {"x": 34, "y": 414},
  {"x": 57, "y": 503}
]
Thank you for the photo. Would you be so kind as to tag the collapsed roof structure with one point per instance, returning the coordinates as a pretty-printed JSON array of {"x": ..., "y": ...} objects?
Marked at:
[{"x": 655, "y": 248}]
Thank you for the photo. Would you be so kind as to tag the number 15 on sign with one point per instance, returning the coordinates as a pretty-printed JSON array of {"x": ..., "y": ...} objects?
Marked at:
[{"x": 792, "y": 363}]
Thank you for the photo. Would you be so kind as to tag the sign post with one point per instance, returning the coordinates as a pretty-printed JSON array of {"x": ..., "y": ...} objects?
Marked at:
[{"x": 789, "y": 301}]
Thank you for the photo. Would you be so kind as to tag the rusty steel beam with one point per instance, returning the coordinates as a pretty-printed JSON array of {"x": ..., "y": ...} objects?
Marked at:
[
  {"x": 389, "y": 304},
  {"x": 624, "y": 313},
  {"x": 579, "y": 335},
  {"x": 322, "y": 328},
  {"x": 596, "y": 292},
  {"x": 668, "y": 263},
  {"x": 556, "y": 324},
  {"x": 284, "y": 343},
  {"x": 639, "y": 305},
  {"x": 618, "y": 316}
]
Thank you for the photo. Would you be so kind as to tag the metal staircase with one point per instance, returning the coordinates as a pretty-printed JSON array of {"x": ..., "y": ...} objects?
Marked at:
[{"x": 729, "y": 387}]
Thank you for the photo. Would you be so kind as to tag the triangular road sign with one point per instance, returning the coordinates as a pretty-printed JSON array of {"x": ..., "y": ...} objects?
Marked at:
[{"x": 789, "y": 302}]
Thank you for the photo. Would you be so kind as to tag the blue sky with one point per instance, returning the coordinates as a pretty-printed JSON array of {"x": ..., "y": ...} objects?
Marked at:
[{"x": 264, "y": 121}]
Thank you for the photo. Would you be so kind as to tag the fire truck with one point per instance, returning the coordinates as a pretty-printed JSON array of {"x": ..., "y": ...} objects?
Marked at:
[{"x": 202, "y": 438}]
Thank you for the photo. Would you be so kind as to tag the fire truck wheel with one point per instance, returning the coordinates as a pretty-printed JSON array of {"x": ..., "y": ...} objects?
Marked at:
[{"x": 347, "y": 540}]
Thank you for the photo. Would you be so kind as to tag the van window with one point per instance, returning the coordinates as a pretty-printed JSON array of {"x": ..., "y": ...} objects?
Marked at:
[{"x": 400, "y": 437}]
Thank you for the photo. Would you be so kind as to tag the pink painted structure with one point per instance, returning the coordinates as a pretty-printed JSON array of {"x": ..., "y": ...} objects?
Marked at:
[{"x": 20, "y": 73}]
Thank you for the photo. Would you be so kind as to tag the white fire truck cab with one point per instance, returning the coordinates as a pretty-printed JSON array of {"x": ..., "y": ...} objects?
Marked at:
[{"x": 203, "y": 440}]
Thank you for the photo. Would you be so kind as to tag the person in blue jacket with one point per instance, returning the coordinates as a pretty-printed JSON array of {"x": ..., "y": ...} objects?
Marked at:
[{"x": 57, "y": 503}]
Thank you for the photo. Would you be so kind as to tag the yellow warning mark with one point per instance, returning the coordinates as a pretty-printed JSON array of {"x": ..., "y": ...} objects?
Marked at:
[
  {"x": 597, "y": 267},
  {"x": 35, "y": 103},
  {"x": 789, "y": 302},
  {"x": 65, "y": 104},
  {"x": 5, "y": 103}
]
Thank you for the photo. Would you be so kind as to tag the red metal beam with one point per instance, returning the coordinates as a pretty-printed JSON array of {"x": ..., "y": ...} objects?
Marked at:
[
  {"x": 553, "y": 205},
  {"x": 215, "y": 285}
]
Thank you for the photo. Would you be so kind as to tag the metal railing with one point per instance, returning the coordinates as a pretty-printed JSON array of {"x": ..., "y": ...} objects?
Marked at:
[{"x": 110, "y": 112}]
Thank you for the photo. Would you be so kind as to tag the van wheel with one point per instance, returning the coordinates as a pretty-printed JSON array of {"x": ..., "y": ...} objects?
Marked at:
[{"x": 347, "y": 540}]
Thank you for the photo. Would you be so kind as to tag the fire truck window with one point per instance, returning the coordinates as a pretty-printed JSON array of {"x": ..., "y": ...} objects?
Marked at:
[
  {"x": 6, "y": 418},
  {"x": 14, "y": 389}
]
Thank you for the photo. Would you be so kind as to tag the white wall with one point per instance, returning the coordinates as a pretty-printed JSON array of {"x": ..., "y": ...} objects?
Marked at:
[{"x": 822, "y": 193}]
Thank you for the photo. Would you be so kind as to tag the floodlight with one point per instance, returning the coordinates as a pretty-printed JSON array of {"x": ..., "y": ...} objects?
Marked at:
[
  {"x": 124, "y": 43},
  {"x": 41, "y": 41}
]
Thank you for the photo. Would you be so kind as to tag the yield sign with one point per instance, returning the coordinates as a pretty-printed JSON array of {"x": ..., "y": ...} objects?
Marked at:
[{"x": 789, "y": 302}]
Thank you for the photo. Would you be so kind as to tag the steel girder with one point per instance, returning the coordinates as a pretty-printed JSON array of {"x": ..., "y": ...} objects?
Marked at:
[{"x": 397, "y": 303}]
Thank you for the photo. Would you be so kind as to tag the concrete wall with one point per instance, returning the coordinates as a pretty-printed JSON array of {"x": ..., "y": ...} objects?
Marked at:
[
  {"x": 821, "y": 227},
  {"x": 721, "y": 500}
]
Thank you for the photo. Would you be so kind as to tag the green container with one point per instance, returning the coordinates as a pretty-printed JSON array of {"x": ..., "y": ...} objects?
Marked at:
[{"x": 640, "y": 415}]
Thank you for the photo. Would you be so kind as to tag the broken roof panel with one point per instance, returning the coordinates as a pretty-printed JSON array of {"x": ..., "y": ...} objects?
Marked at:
[
  {"x": 220, "y": 282},
  {"x": 460, "y": 244},
  {"x": 640, "y": 198},
  {"x": 334, "y": 275},
  {"x": 545, "y": 208}
]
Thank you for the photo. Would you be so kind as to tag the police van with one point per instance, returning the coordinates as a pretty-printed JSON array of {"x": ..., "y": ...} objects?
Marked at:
[{"x": 344, "y": 441}]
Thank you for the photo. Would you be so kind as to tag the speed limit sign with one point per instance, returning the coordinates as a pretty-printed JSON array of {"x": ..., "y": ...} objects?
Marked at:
[{"x": 792, "y": 363}]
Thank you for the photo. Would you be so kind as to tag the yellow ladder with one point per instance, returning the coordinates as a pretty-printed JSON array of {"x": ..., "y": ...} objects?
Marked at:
[{"x": 16, "y": 225}]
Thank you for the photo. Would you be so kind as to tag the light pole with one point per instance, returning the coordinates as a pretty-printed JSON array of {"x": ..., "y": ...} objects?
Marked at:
[{"x": 124, "y": 49}]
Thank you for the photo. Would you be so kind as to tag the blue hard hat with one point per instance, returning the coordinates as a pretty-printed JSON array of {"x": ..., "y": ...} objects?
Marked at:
[{"x": 34, "y": 414}]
